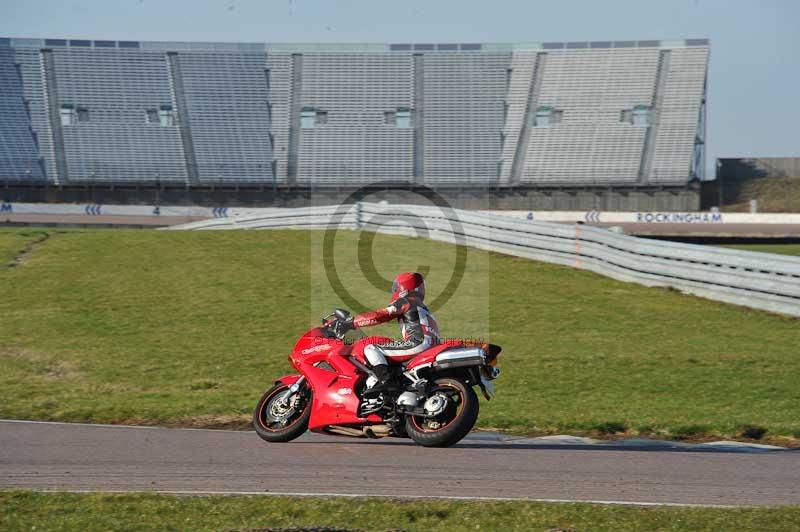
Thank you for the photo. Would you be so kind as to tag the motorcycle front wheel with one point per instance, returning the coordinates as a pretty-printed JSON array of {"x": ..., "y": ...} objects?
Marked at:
[
  {"x": 281, "y": 416},
  {"x": 456, "y": 419}
]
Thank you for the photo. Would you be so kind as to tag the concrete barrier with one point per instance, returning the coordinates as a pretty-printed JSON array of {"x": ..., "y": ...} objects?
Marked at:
[{"x": 654, "y": 217}]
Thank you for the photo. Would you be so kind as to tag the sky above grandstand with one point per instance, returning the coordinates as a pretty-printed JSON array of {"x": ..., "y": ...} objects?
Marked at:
[{"x": 754, "y": 70}]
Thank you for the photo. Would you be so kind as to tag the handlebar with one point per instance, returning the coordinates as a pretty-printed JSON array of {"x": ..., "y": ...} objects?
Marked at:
[{"x": 332, "y": 323}]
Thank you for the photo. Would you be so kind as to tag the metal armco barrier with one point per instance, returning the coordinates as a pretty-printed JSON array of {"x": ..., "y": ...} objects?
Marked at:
[{"x": 764, "y": 281}]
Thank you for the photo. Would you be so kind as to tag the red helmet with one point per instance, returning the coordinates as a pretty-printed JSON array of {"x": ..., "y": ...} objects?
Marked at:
[{"x": 408, "y": 282}]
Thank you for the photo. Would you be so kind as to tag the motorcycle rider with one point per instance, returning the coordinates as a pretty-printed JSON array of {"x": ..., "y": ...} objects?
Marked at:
[{"x": 417, "y": 325}]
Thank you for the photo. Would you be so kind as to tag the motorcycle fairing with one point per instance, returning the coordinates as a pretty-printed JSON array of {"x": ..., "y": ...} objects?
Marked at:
[
  {"x": 333, "y": 380},
  {"x": 428, "y": 357},
  {"x": 288, "y": 380}
]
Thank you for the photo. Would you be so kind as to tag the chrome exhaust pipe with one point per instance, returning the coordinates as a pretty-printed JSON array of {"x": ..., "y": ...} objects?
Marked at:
[
  {"x": 371, "y": 431},
  {"x": 460, "y": 357},
  {"x": 378, "y": 431},
  {"x": 346, "y": 431}
]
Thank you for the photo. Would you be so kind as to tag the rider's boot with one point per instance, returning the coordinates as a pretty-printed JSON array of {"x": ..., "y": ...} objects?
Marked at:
[{"x": 381, "y": 383}]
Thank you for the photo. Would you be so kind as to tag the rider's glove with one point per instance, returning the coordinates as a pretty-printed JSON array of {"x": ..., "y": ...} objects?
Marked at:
[{"x": 342, "y": 326}]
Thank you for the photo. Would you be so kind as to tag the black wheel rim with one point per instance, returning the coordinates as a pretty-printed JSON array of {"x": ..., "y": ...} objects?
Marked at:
[
  {"x": 452, "y": 411},
  {"x": 272, "y": 414}
]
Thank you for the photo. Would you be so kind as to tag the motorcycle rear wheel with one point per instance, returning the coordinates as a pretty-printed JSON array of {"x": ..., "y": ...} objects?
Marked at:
[
  {"x": 273, "y": 429},
  {"x": 455, "y": 422}
]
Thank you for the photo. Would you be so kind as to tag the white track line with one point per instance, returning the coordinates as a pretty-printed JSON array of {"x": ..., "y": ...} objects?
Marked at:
[{"x": 402, "y": 497}]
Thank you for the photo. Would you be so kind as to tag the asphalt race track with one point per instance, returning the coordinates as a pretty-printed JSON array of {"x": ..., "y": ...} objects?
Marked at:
[
  {"x": 56, "y": 456},
  {"x": 726, "y": 230},
  {"x": 86, "y": 220}
]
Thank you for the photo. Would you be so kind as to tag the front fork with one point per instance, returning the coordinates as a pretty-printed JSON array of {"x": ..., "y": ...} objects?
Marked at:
[{"x": 294, "y": 388}]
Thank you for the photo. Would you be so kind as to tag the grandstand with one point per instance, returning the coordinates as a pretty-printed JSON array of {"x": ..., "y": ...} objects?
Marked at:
[{"x": 625, "y": 114}]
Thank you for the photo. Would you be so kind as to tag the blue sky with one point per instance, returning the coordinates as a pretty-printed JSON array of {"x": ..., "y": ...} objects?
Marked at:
[{"x": 754, "y": 73}]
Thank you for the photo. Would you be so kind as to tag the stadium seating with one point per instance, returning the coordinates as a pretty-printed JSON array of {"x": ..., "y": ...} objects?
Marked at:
[{"x": 527, "y": 114}]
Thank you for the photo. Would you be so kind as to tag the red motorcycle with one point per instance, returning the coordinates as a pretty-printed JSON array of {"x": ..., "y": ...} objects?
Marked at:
[{"x": 431, "y": 399}]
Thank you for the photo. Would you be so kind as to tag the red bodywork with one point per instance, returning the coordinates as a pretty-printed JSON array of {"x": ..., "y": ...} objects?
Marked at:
[{"x": 335, "y": 401}]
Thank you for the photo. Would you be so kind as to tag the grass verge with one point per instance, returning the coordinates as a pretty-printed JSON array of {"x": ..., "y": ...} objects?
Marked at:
[
  {"x": 24, "y": 510},
  {"x": 189, "y": 328},
  {"x": 15, "y": 245},
  {"x": 779, "y": 194}
]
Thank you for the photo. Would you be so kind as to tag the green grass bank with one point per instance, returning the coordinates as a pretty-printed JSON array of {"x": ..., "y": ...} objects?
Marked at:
[
  {"x": 140, "y": 512},
  {"x": 188, "y": 329}
]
